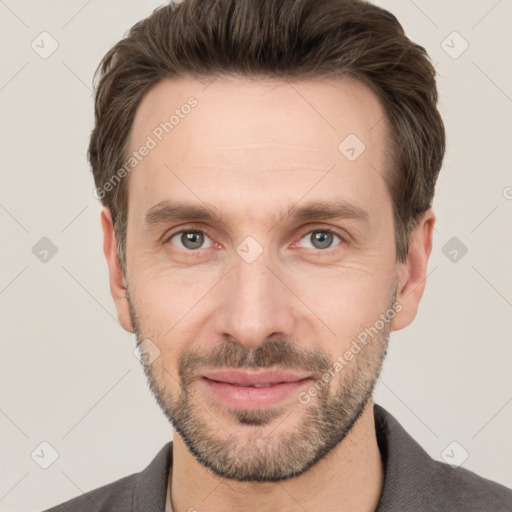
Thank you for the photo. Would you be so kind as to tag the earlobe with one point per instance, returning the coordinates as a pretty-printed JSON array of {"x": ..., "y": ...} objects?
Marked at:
[
  {"x": 413, "y": 273},
  {"x": 117, "y": 279}
]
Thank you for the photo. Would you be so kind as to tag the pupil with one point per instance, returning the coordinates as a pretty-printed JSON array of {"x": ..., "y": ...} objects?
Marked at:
[
  {"x": 322, "y": 239},
  {"x": 192, "y": 240}
]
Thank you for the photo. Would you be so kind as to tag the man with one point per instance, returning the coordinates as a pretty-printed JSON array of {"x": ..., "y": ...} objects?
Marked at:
[{"x": 267, "y": 171}]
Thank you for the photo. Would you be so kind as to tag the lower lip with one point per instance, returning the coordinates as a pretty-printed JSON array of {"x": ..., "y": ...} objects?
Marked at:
[{"x": 249, "y": 397}]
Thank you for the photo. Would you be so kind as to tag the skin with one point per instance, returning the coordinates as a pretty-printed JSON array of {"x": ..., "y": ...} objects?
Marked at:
[{"x": 252, "y": 150}]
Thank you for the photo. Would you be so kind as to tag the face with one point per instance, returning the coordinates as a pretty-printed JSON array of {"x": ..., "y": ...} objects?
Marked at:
[{"x": 261, "y": 269}]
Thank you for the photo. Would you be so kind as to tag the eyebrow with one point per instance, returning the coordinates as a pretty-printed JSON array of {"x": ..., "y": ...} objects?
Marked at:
[{"x": 169, "y": 211}]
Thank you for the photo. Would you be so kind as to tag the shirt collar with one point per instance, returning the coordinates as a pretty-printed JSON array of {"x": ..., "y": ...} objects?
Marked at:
[{"x": 409, "y": 469}]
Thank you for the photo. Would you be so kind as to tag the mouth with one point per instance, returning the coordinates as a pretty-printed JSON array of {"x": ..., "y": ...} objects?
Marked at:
[{"x": 252, "y": 390}]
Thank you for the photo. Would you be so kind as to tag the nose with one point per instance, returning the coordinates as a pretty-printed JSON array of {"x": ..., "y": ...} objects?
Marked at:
[{"x": 255, "y": 303}]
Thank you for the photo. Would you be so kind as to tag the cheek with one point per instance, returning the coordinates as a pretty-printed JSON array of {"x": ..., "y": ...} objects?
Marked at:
[
  {"x": 344, "y": 302},
  {"x": 169, "y": 305}
]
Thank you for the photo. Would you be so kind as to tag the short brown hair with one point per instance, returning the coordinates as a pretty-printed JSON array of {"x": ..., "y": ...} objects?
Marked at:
[{"x": 285, "y": 39}]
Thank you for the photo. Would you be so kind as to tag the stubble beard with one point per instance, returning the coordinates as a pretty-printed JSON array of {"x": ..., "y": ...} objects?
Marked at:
[{"x": 265, "y": 453}]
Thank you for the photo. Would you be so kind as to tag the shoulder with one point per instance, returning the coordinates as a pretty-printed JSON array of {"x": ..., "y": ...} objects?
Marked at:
[
  {"x": 415, "y": 481},
  {"x": 144, "y": 491},
  {"x": 117, "y": 495},
  {"x": 462, "y": 489}
]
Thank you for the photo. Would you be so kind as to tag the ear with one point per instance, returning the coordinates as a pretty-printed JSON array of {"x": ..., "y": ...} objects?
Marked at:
[
  {"x": 117, "y": 283},
  {"x": 413, "y": 273}
]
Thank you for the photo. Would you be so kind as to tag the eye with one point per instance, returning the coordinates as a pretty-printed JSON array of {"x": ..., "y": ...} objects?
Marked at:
[
  {"x": 190, "y": 240},
  {"x": 320, "y": 238}
]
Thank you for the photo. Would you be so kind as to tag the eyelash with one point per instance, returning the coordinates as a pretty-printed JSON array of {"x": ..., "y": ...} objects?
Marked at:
[{"x": 315, "y": 251}]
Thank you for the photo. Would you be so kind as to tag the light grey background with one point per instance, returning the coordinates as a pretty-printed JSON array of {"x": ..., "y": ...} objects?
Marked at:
[{"x": 68, "y": 374}]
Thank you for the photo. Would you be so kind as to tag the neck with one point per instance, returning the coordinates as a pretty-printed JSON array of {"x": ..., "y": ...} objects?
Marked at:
[{"x": 349, "y": 478}]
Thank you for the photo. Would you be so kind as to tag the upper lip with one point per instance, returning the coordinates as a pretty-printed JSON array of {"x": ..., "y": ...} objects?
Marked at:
[{"x": 245, "y": 378}]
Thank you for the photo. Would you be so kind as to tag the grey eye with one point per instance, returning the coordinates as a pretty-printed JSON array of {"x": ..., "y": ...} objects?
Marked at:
[
  {"x": 320, "y": 239},
  {"x": 190, "y": 240}
]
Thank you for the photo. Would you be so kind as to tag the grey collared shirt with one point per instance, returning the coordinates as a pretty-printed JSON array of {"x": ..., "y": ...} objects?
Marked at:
[{"x": 413, "y": 482}]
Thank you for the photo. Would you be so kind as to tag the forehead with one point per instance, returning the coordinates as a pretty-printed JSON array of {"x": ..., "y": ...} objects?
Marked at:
[{"x": 255, "y": 141}]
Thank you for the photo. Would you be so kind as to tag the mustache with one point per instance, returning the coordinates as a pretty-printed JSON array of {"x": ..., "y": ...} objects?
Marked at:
[{"x": 272, "y": 353}]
